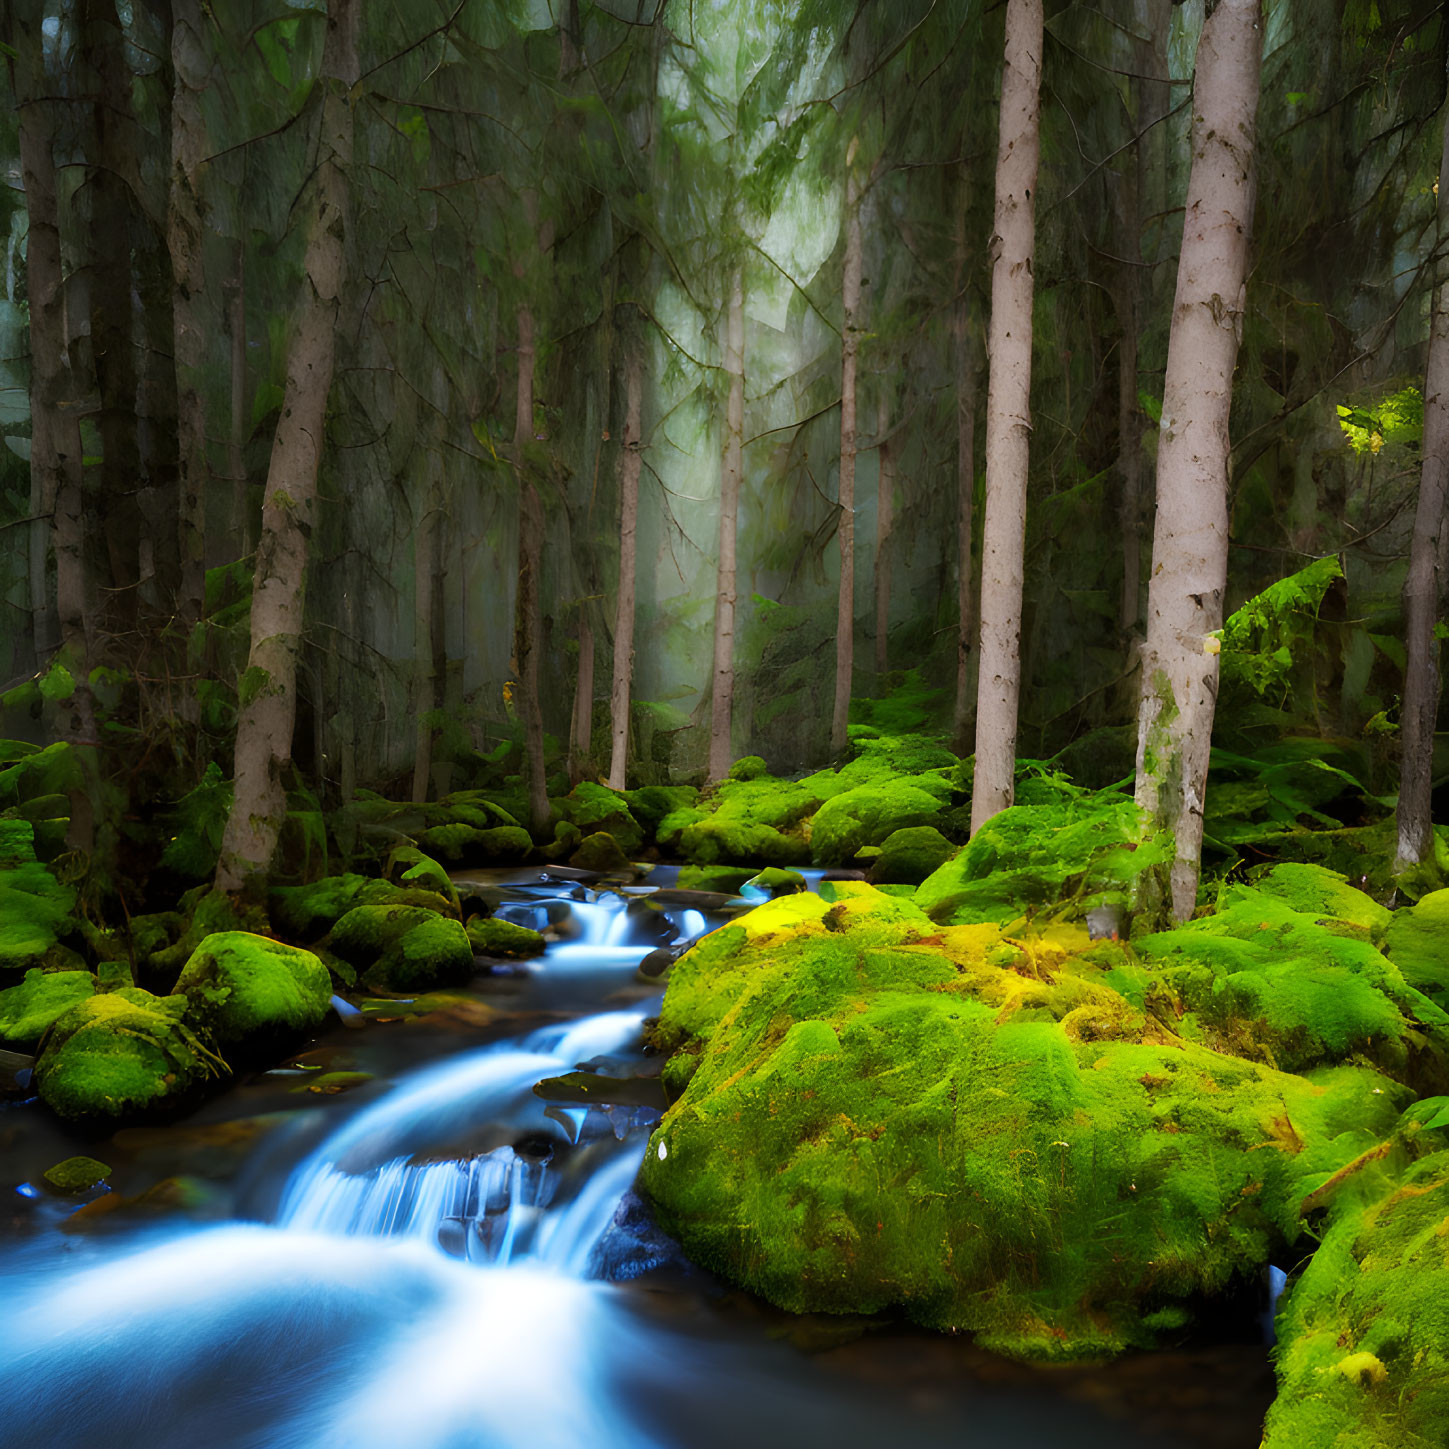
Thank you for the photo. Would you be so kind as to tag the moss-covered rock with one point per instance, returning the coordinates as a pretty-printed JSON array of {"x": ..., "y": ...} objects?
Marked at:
[
  {"x": 205, "y": 911},
  {"x": 775, "y": 881},
  {"x": 1073, "y": 846},
  {"x": 650, "y": 804},
  {"x": 460, "y": 844},
  {"x": 749, "y": 767},
  {"x": 869, "y": 815},
  {"x": 254, "y": 994},
  {"x": 308, "y": 912},
  {"x": 726, "y": 879},
  {"x": 75, "y": 1175},
  {"x": 403, "y": 948},
  {"x": 35, "y": 908},
  {"x": 125, "y": 1056},
  {"x": 409, "y": 869},
  {"x": 1417, "y": 942},
  {"x": 600, "y": 852},
  {"x": 596, "y": 808},
  {"x": 26, "y": 1010},
  {"x": 1363, "y": 1334},
  {"x": 491, "y": 937},
  {"x": 1314, "y": 890},
  {"x": 982, "y": 1129},
  {"x": 756, "y": 821},
  {"x": 907, "y": 857}
]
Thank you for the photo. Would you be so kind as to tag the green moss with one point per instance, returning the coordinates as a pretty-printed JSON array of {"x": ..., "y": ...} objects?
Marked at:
[
  {"x": 460, "y": 844},
  {"x": 308, "y": 912},
  {"x": 121, "y": 1057},
  {"x": 408, "y": 868},
  {"x": 671, "y": 827},
  {"x": 651, "y": 804},
  {"x": 777, "y": 882},
  {"x": 252, "y": 993},
  {"x": 600, "y": 852},
  {"x": 1363, "y": 1351},
  {"x": 1314, "y": 890},
  {"x": 868, "y": 815},
  {"x": 908, "y": 856},
  {"x": 492, "y": 937},
  {"x": 1417, "y": 942},
  {"x": 26, "y": 1010},
  {"x": 724, "y": 878},
  {"x": 595, "y": 808},
  {"x": 403, "y": 948},
  {"x": 1068, "y": 850},
  {"x": 974, "y": 1127},
  {"x": 750, "y": 767},
  {"x": 75, "y": 1175},
  {"x": 35, "y": 908}
]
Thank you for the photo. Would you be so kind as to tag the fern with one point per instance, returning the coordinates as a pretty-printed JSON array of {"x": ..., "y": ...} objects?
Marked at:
[{"x": 1261, "y": 640}]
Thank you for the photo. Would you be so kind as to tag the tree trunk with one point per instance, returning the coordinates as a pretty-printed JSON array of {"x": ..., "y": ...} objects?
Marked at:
[
  {"x": 962, "y": 731},
  {"x": 623, "y": 677},
  {"x": 723, "y": 691},
  {"x": 528, "y": 629},
  {"x": 1008, "y": 413},
  {"x": 1190, "y": 543},
  {"x": 268, "y": 690},
  {"x": 425, "y": 691},
  {"x": 237, "y": 434},
  {"x": 1423, "y": 588},
  {"x": 114, "y": 156},
  {"x": 581, "y": 729},
  {"x": 845, "y": 525},
  {"x": 884, "y": 521},
  {"x": 185, "y": 222}
]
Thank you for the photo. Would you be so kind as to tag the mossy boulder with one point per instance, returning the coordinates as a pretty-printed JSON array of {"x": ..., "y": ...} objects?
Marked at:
[
  {"x": 908, "y": 856},
  {"x": 776, "y": 882},
  {"x": 460, "y": 844},
  {"x": 126, "y": 1056},
  {"x": 254, "y": 994},
  {"x": 726, "y": 879},
  {"x": 755, "y": 821},
  {"x": 1417, "y": 942},
  {"x": 26, "y": 1010},
  {"x": 35, "y": 908},
  {"x": 491, "y": 937},
  {"x": 978, "y": 1129},
  {"x": 308, "y": 912},
  {"x": 409, "y": 869},
  {"x": 1314, "y": 890},
  {"x": 205, "y": 911},
  {"x": 749, "y": 767},
  {"x": 1363, "y": 1333},
  {"x": 650, "y": 804},
  {"x": 596, "y": 808},
  {"x": 600, "y": 852},
  {"x": 403, "y": 948},
  {"x": 1040, "y": 857},
  {"x": 869, "y": 815}
]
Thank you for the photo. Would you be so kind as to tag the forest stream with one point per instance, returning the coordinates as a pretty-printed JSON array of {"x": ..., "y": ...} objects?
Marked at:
[{"x": 441, "y": 1259}]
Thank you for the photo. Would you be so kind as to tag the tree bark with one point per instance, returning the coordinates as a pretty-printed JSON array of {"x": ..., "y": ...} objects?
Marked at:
[
  {"x": 1424, "y": 585},
  {"x": 884, "y": 522},
  {"x": 1190, "y": 543},
  {"x": 113, "y": 158},
  {"x": 722, "y": 693},
  {"x": 425, "y": 692},
  {"x": 1008, "y": 413},
  {"x": 581, "y": 729},
  {"x": 962, "y": 725},
  {"x": 236, "y": 322},
  {"x": 268, "y": 690},
  {"x": 623, "y": 677},
  {"x": 185, "y": 230},
  {"x": 845, "y": 525}
]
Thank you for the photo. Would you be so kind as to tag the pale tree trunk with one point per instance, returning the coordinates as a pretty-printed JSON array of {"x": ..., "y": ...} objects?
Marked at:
[
  {"x": 623, "y": 677},
  {"x": 1190, "y": 543},
  {"x": 962, "y": 715},
  {"x": 268, "y": 689},
  {"x": 1423, "y": 588},
  {"x": 528, "y": 629},
  {"x": 845, "y": 526},
  {"x": 191, "y": 64},
  {"x": 884, "y": 522},
  {"x": 723, "y": 690},
  {"x": 425, "y": 688},
  {"x": 581, "y": 728},
  {"x": 1008, "y": 413}
]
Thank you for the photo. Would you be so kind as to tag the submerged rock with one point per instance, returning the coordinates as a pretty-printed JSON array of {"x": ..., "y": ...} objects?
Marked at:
[
  {"x": 403, "y": 948},
  {"x": 990, "y": 1131},
  {"x": 254, "y": 994},
  {"x": 123, "y": 1056},
  {"x": 75, "y": 1175}
]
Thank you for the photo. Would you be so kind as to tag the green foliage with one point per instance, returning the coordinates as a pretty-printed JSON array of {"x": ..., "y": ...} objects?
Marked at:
[
  {"x": 1263, "y": 639},
  {"x": 27, "y": 1009},
  {"x": 198, "y": 821},
  {"x": 1397, "y": 419}
]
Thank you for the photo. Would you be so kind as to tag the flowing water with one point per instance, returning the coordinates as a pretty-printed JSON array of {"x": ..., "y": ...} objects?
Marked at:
[{"x": 443, "y": 1260}]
